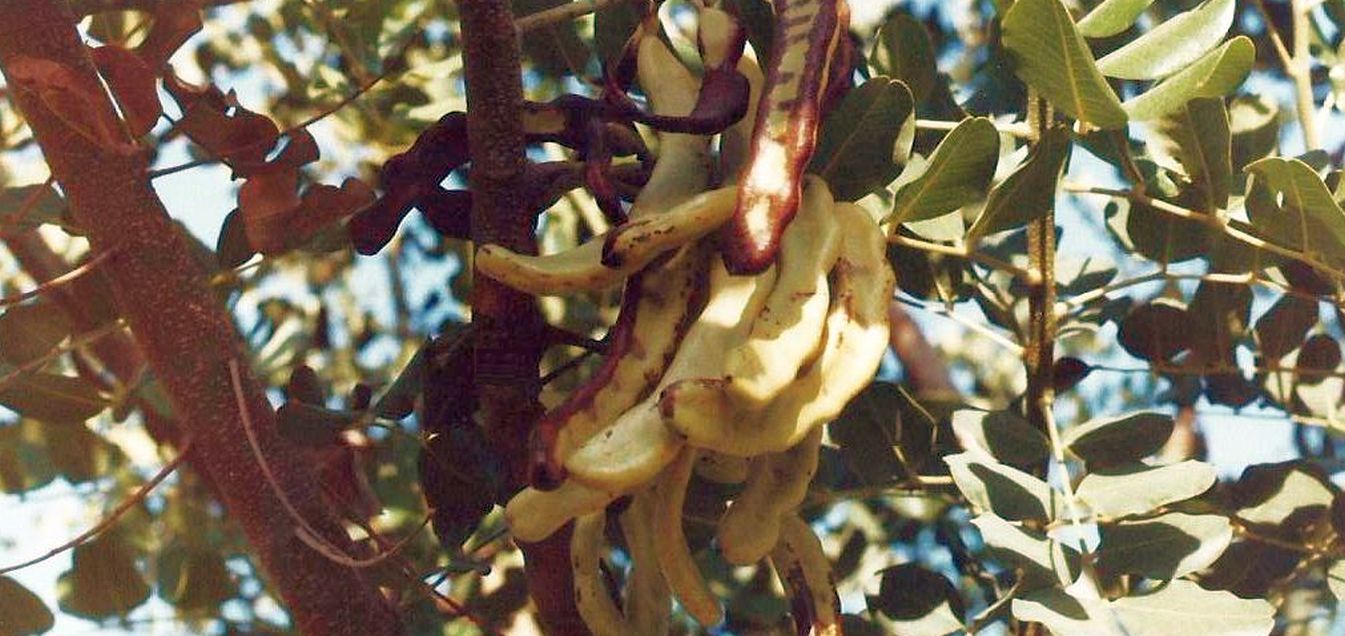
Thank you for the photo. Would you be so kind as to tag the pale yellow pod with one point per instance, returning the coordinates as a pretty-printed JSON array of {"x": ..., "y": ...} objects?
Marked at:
[
  {"x": 638, "y": 242},
  {"x": 663, "y": 301},
  {"x": 805, "y": 572},
  {"x": 789, "y": 328},
  {"x": 533, "y": 515},
  {"x": 636, "y": 447},
  {"x": 855, "y": 338},
  {"x": 591, "y": 597},
  {"x": 648, "y": 599},
  {"x": 683, "y": 166},
  {"x": 775, "y": 488},
  {"x": 721, "y": 468},
  {"x": 735, "y": 145},
  {"x": 674, "y": 555}
]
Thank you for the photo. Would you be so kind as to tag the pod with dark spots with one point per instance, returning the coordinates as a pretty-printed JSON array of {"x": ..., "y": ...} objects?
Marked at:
[
  {"x": 724, "y": 92},
  {"x": 808, "y": 34}
]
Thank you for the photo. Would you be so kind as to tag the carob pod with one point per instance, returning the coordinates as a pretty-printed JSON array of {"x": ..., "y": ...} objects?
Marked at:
[{"x": 807, "y": 36}]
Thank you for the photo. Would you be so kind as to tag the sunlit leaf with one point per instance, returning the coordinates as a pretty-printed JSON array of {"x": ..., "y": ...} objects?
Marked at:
[
  {"x": 1003, "y": 435},
  {"x": 1164, "y": 547},
  {"x": 1004, "y": 490},
  {"x": 1043, "y": 561},
  {"x": 1052, "y": 57},
  {"x": 1112, "y": 441},
  {"x": 1111, "y": 17},
  {"x": 1030, "y": 190},
  {"x": 958, "y": 173},
  {"x": 1217, "y": 74},
  {"x": 1173, "y": 44},
  {"x": 1138, "y": 488}
]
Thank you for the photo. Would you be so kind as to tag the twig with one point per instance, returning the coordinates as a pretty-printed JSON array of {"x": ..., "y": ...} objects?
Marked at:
[
  {"x": 562, "y": 13},
  {"x": 112, "y": 517},
  {"x": 58, "y": 351},
  {"x": 934, "y": 308},
  {"x": 1211, "y": 221},
  {"x": 1016, "y": 129},
  {"x": 305, "y": 532},
  {"x": 54, "y": 283},
  {"x": 962, "y": 252}
]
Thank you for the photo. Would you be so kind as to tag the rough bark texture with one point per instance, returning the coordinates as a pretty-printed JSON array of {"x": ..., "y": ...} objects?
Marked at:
[
  {"x": 188, "y": 339},
  {"x": 509, "y": 335}
]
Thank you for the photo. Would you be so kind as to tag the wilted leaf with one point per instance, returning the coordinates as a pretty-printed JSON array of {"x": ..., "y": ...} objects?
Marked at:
[
  {"x": 958, "y": 173},
  {"x": 1217, "y": 74},
  {"x": 104, "y": 581},
  {"x": 1004, "y": 490},
  {"x": 1051, "y": 56},
  {"x": 1111, "y": 17},
  {"x": 920, "y": 602},
  {"x": 21, "y": 611},
  {"x": 174, "y": 23},
  {"x": 1112, "y": 441},
  {"x": 1003, "y": 435},
  {"x": 1136, "y": 489},
  {"x": 133, "y": 85},
  {"x": 1163, "y": 547},
  {"x": 1173, "y": 44},
  {"x": 74, "y": 98},
  {"x": 857, "y": 146},
  {"x": 1044, "y": 562},
  {"x": 1029, "y": 191}
]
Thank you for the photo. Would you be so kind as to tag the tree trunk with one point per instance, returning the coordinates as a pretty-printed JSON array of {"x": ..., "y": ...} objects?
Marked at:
[{"x": 187, "y": 337}]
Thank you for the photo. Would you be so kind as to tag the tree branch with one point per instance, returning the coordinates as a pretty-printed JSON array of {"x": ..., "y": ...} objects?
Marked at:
[
  {"x": 186, "y": 335},
  {"x": 509, "y": 339}
]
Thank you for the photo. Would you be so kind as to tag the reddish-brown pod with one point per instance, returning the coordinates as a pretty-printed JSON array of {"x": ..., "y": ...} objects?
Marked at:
[{"x": 808, "y": 34}]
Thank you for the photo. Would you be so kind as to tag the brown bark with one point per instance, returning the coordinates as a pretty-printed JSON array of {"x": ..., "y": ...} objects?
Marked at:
[
  {"x": 187, "y": 338},
  {"x": 510, "y": 331}
]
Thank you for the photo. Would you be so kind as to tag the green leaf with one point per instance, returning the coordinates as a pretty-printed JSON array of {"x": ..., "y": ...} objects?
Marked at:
[
  {"x": 310, "y": 425},
  {"x": 78, "y": 454},
  {"x": 399, "y": 399},
  {"x": 24, "y": 463},
  {"x": 1112, "y": 17},
  {"x": 28, "y": 332},
  {"x": 1003, "y": 435},
  {"x": 1053, "y": 58},
  {"x": 858, "y": 145},
  {"x": 51, "y": 398},
  {"x": 195, "y": 580},
  {"x": 1197, "y": 135},
  {"x": 1163, "y": 547},
  {"x": 21, "y": 611},
  {"x": 1044, "y": 561},
  {"x": 1311, "y": 219},
  {"x": 905, "y": 52},
  {"x": 1137, "y": 488},
  {"x": 958, "y": 173},
  {"x": 1284, "y": 326},
  {"x": 29, "y": 206},
  {"x": 1154, "y": 331},
  {"x": 1108, "y": 442},
  {"x": 1287, "y": 493},
  {"x": 1335, "y": 580},
  {"x": 919, "y": 601},
  {"x": 1172, "y": 45},
  {"x": 1217, "y": 74},
  {"x": 1004, "y": 490},
  {"x": 1177, "y": 603},
  {"x": 868, "y": 436},
  {"x": 1029, "y": 191},
  {"x": 555, "y": 49},
  {"x": 104, "y": 582},
  {"x": 1218, "y": 315},
  {"x": 1183, "y": 602},
  {"x": 1254, "y": 122}
]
